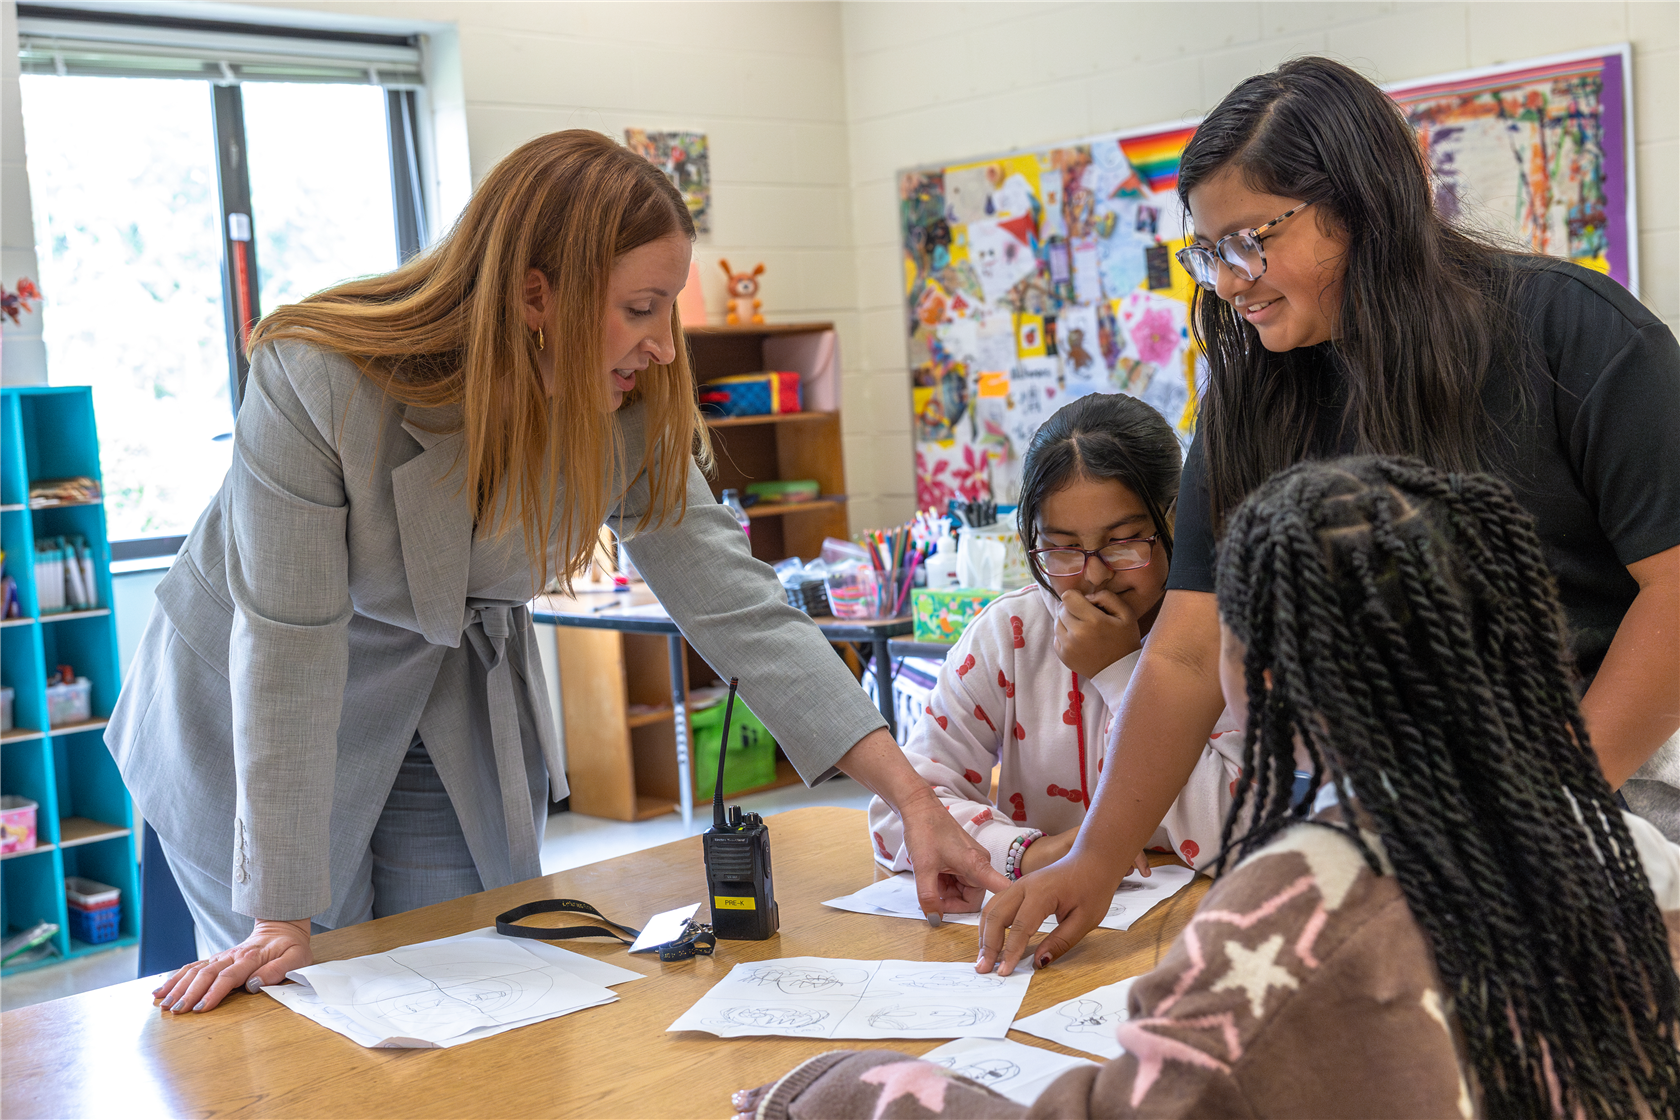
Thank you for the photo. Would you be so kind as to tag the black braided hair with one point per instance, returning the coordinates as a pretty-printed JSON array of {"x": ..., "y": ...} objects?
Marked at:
[{"x": 1417, "y": 650}]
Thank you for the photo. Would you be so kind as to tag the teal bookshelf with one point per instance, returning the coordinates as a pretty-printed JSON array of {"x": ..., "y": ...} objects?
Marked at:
[{"x": 84, "y": 821}]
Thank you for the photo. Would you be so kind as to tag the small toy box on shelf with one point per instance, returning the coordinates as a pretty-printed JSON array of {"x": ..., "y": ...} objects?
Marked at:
[{"x": 17, "y": 824}]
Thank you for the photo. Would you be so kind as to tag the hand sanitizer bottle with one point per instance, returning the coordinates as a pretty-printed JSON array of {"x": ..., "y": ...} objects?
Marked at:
[
  {"x": 732, "y": 502},
  {"x": 942, "y": 565}
]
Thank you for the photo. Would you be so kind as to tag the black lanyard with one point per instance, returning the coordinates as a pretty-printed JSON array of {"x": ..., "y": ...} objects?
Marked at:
[{"x": 696, "y": 939}]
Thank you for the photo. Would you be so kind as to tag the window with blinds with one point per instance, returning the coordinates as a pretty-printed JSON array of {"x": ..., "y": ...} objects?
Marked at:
[
  {"x": 187, "y": 175},
  {"x": 70, "y": 42}
]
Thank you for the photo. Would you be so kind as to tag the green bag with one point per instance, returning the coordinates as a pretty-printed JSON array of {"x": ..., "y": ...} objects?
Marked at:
[{"x": 752, "y": 752}]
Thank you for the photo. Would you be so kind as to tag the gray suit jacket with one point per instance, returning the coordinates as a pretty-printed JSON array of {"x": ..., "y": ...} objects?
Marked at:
[{"x": 334, "y": 602}]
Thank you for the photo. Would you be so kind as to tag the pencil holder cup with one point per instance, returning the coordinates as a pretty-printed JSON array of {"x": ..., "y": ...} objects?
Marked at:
[{"x": 865, "y": 593}]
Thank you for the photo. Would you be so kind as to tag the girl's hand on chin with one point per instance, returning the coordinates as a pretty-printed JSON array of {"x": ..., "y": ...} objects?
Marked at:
[{"x": 1092, "y": 634}]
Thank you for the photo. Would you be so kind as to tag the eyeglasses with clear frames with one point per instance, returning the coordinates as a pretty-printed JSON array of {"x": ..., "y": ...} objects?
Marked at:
[
  {"x": 1118, "y": 556},
  {"x": 1241, "y": 250}
]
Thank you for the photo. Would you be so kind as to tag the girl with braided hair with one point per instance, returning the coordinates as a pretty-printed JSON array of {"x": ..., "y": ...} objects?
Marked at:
[
  {"x": 1462, "y": 923},
  {"x": 1341, "y": 313}
]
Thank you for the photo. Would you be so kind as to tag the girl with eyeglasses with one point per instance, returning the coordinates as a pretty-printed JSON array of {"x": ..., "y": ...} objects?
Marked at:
[
  {"x": 1031, "y": 684},
  {"x": 1341, "y": 312}
]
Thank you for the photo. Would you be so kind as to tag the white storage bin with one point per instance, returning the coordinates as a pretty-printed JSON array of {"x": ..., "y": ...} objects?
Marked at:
[
  {"x": 89, "y": 894},
  {"x": 69, "y": 703}
]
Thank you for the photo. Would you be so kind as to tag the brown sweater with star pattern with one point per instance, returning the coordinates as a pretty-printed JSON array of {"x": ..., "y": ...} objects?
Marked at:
[{"x": 1303, "y": 987}]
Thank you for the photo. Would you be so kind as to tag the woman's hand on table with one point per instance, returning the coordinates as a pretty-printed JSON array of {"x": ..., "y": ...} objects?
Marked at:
[
  {"x": 273, "y": 949},
  {"x": 1079, "y": 897}
]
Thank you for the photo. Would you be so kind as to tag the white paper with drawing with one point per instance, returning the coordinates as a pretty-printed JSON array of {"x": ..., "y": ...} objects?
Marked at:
[
  {"x": 1018, "y": 1071},
  {"x": 820, "y": 997},
  {"x": 446, "y": 992},
  {"x": 895, "y": 897},
  {"x": 1085, "y": 1022}
]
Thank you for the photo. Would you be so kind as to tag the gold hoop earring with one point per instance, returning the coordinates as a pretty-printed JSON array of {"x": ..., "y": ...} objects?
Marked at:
[{"x": 539, "y": 338}]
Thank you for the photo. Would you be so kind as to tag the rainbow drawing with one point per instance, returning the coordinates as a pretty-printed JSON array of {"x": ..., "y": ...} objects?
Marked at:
[{"x": 1154, "y": 156}]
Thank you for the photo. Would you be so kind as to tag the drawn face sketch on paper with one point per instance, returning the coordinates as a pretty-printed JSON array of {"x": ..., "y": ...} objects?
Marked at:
[
  {"x": 497, "y": 999},
  {"x": 951, "y": 981},
  {"x": 804, "y": 1019},
  {"x": 1087, "y": 1016},
  {"x": 933, "y": 1017},
  {"x": 986, "y": 1071},
  {"x": 803, "y": 979},
  {"x": 1000, "y": 259}
]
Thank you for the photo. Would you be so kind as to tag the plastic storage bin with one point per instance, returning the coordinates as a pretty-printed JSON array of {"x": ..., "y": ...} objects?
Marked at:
[
  {"x": 17, "y": 824},
  {"x": 94, "y": 910},
  {"x": 810, "y": 596},
  {"x": 95, "y": 927},
  {"x": 751, "y": 761},
  {"x": 69, "y": 703},
  {"x": 88, "y": 894}
]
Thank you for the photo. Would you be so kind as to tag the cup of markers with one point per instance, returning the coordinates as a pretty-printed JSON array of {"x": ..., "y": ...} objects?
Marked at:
[
  {"x": 873, "y": 578},
  {"x": 866, "y": 593}
]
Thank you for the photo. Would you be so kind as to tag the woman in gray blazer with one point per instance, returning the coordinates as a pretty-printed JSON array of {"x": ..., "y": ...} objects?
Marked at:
[{"x": 337, "y": 710}]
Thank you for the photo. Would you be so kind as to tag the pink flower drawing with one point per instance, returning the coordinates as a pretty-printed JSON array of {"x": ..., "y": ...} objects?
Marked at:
[
  {"x": 933, "y": 489},
  {"x": 1156, "y": 336}
]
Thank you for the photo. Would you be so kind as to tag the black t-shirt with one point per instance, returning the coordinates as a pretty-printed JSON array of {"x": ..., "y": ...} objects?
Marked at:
[{"x": 1595, "y": 459}]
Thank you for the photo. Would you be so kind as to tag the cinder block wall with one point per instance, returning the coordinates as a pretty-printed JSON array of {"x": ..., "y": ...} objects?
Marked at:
[{"x": 932, "y": 82}]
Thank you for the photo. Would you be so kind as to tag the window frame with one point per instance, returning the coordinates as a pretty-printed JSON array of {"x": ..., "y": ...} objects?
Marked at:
[{"x": 237, "y": 222}]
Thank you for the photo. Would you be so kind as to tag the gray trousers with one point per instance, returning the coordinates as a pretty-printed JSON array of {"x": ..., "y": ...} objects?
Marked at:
[{"x": 418, "y": 856}]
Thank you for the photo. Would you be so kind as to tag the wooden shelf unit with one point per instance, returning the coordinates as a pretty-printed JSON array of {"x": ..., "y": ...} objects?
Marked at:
[
  {"x": 621, "y": 763},
  {"x": 784, "y": 447}
]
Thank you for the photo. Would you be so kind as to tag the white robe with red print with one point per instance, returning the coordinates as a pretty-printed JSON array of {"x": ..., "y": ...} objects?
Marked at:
[{"x": 1004, "y": 697}]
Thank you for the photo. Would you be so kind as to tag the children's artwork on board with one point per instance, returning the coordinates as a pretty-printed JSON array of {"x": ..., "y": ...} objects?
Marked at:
[
  {"x": 683, "y": 157},
  {"x": 1036, "y": 247},
  {"x": 818, "y": 997},
  {"x": 1535, "y": 152}
]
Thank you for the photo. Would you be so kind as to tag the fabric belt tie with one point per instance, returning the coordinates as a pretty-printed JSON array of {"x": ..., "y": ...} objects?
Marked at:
[{"x": 488, "y": 631}]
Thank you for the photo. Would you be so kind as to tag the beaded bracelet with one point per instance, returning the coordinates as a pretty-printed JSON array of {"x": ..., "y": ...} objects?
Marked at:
[{"x": 1014, "y": 859}]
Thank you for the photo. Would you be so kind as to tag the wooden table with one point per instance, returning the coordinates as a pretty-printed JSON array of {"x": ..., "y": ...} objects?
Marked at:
[
  {"x": 109, "y": 1053},
  {"x": 612, "y": 610}
]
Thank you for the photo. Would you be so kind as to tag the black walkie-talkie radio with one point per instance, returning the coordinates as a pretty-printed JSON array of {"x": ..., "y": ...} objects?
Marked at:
[{"x": 737, "y": 847}]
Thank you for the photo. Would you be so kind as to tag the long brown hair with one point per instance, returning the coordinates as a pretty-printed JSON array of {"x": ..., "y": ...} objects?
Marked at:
[
  {"x": 448, "y": 329},
  {"x": 1425, "y": 309}
]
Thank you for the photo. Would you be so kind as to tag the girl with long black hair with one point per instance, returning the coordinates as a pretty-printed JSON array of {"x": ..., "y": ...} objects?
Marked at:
[
  {"x": 1340, "y": 314},
  {"x": 1031, "y": 686},
  {"x": 1461, "y": 923}
]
